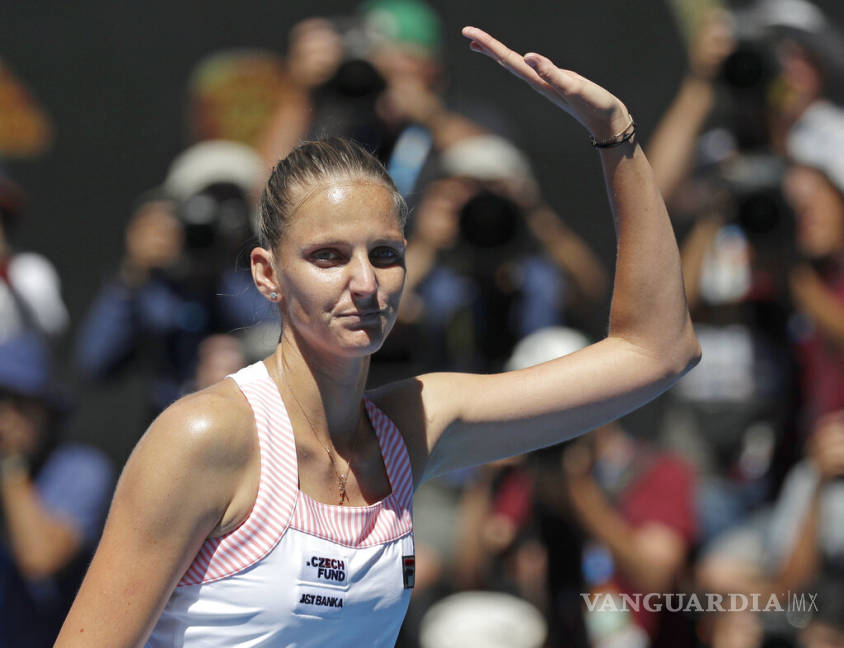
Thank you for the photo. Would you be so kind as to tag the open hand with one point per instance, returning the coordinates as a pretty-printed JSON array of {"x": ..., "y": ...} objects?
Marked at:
[
  {"x": 601, "y": 113},
  {"x": 713, "y": 42}
]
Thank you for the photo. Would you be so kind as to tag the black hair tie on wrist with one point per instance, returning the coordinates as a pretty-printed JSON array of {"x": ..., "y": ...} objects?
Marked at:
[{"x": 615, "y": 140}]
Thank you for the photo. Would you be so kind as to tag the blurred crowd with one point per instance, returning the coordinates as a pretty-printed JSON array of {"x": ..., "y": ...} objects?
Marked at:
[{"x": 734, "y": 486}]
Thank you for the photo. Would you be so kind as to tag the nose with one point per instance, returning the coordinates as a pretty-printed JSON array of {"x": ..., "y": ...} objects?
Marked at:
[{"x": 362, "y": 281}]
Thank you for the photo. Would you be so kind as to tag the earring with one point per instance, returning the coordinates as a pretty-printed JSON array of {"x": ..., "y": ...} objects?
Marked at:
[{"x": 273, "y": 295}]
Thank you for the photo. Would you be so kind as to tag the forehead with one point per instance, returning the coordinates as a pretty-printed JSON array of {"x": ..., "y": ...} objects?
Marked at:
[{"x": 346, "y": 209}]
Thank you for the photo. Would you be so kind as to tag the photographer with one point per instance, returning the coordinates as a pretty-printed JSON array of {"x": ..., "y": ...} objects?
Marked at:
[
  {"x": 488, "y": 261},
  {"x": 174, "y": 285},
  {"x": 796, "y": 540},
  {"x": 53, "y": 498},
  {"x": 763, "y": 73},
  {"x": 375, "y": 75}
]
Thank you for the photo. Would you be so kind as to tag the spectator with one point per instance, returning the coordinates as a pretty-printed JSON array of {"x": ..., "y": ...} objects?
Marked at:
[
  {"x": 489, "y": 261},
  {"x": 636, "y": 505},
  {"x": 735, "y": 418},
  {"x": 375, "y": 76},
  {"x": 175, "y": 285},
  {"x": 796, "y": 540},
  {"x": 53, "y": 493},
  {"x": 487, "y": 528},
  {"x": 826, "y": 626},
  {"x": 219, "y": 356},
  {"x": 817, "y": 287}
]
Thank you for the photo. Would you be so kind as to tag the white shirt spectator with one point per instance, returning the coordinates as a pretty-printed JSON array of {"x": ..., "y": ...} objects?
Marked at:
[{"x": 30, "y": 298}]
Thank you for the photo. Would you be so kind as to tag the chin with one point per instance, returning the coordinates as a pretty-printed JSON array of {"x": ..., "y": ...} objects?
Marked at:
[
  {"x": 367, "y": 344},
  {"x": 364, "y": 340}
]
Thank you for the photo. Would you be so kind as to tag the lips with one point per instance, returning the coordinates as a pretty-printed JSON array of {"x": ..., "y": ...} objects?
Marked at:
[{"x": 362, "y": 314}]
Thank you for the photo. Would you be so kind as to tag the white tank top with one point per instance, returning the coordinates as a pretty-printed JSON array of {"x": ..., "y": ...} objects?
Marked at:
[{"x": 298, "y": 572}]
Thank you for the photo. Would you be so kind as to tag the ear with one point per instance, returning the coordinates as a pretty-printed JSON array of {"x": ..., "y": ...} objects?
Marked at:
[{"x": 263, "y": 273}]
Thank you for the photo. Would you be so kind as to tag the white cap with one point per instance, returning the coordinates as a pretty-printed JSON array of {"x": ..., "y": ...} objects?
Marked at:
[
  {"x": 485, "y": 157},
  {"x": 544, "y": 345},
  {"x": 482, "y": 620},
  {"x": 795, "y": 14},
  {"x": 817, "y": 140},
  {"x": 211, "y": 162}
]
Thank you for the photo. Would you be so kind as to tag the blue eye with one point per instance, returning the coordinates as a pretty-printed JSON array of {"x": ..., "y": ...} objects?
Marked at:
[{"x": 385, "y": 256}]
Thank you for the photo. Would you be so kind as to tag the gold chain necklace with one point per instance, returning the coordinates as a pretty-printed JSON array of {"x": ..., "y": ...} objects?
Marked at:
[{"x": 341, "y": 479}]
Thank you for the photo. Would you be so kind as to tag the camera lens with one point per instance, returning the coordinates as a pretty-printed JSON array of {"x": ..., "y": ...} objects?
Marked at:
[{"x": 746, "y": 68}]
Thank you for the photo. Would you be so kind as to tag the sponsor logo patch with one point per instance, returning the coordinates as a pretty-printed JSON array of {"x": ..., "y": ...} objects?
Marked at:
[
  {"x": 408, "y": 564},
  {"x": 321, "y": 600},
  {"x": 325, "y": 570}
]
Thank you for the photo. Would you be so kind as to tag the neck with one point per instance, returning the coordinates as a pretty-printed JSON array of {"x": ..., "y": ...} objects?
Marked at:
[{"x": 327, "y": 388}]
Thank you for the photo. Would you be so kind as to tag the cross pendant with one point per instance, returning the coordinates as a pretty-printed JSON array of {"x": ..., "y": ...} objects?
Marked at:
[{"x": 341, "y": 486}]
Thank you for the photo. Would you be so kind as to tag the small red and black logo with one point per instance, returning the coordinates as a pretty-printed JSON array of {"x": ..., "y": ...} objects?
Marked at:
[{"x": 408, "y": 564}]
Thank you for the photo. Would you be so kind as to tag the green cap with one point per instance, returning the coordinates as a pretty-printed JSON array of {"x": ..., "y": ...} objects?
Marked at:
[{"x": 406, "y": 22}]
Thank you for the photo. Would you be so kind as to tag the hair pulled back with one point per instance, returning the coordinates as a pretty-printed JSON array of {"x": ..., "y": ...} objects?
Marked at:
[{"x": 309, "y": 166}]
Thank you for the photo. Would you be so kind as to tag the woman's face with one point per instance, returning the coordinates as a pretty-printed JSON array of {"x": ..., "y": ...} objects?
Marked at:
[
  {"x": 341, "y": 267},
  {"x": 819, "y": 209}
]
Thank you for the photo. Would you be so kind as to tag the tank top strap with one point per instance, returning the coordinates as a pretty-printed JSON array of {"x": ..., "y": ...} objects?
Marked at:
[
  {"x": 274, "y": 505},
  {"x": 394, "y": 452}
]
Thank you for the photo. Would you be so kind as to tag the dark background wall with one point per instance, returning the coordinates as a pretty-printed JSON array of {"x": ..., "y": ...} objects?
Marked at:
[{"x": 112, "y": 75}]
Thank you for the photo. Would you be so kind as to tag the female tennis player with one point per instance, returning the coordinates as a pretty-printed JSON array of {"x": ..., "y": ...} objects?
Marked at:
[{"x": 274, "y": 508}]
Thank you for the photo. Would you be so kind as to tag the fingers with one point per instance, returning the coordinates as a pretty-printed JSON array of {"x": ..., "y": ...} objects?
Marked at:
[
  {"x": 597, "y": 110},
  {"x": 483, "y": 43}
]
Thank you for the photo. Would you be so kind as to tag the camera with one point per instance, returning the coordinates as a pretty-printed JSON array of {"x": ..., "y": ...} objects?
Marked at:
[
  {"x": 215, "y": 217},
  {"x": 345, "y": 104}
]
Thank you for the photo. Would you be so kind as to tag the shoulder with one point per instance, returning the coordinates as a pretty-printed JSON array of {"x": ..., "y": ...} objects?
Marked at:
[
  {"x": 199, "y": 447},
  {"x": 404, "y": 401},
  {"x": 33, "y": 267},
  {"x": 212, "y": 427},
  {"x": 192, "y": 462}
]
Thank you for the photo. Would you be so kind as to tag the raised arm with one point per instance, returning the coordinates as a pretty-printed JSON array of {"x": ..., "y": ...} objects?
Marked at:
[
  {"x": 470, "y": 419},
  {"x": 181, "y": 484},
  {"x": 672, "y": 145}
]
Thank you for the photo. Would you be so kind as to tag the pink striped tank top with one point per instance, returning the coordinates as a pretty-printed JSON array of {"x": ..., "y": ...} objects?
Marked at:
[{"x": 298, "y": 572}]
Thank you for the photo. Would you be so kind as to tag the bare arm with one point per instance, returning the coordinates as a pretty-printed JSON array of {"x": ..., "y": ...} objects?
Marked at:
[
  {"x": 180, "y": 486},
  {"x": 650, "y": 555},
  {"x": 569, "y": 252},
  {"x": 672, "y": 144},
  {"x": 826, "y": 453},
  {"x": 41, "y": 542},
  {"x": 802, "y": 560},
  {"x": 471, "y": 419}
]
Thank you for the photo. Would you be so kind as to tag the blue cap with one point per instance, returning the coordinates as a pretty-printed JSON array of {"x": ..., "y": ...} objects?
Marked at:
[{"x": 25, "y": 370}]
